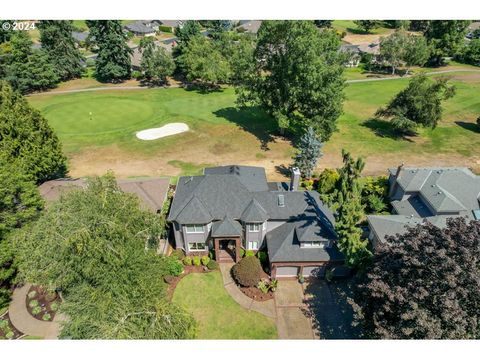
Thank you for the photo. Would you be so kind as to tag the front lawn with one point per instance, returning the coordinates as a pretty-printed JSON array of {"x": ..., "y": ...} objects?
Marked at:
[{"x": 217, "y": 314}]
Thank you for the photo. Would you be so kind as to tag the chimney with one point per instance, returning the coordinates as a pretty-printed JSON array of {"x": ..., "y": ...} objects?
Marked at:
[
  {"x": 393, "y": 180},
  {"x": 295, "y": 179}
]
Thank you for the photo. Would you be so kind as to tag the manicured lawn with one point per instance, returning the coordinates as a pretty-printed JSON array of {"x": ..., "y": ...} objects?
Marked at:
[
  {"x": 217, "y": 314},
  {"x": 350, "y": 27}
]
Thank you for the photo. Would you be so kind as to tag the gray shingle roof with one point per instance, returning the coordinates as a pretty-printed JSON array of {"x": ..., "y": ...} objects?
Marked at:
[
  {"x": 142, "y": 27},
  {"x": 226, "y": 227},
  {"x": 252, "y": 177},
  {"x": 254, "y": 212},
  {"x": 194, "y": 213}
]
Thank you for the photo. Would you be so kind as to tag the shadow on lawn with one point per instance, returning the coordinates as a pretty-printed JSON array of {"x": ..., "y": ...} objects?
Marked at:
[
  {"x": 383, "y": 128},
  {"x": 251, "y": 119},
  {"x": 468, "y": 126}
]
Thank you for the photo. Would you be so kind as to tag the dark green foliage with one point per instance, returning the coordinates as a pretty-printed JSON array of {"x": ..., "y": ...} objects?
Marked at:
[
  {"x": 57, "y": 40},
  {"x": 187, "y": 260},
  {"x": 156, "y": 62},
  {"x": 113, "y": 62},
  {"x": 178, "y": 254},
  {"x": 419, "y": 103},
  {"x": 5, "y": 35},
  {"x": 212, "y": 265},
  {"x": 478, "y": 121},
  {"x": 27, "y": 69},
  {"x": 374, "y": 194},
  {"x": 218, "y": 27},
  {"x": 241, "y": 252},
  {"x": 419, "y": 25},
  {"x": 323, "y": 23},
  {"x": 446, "y": 37},
  {"x": 98, "y": 246},
  {"x": 327, "y": 182},
  {"x": 367, "y": 25},
  {"x": 27, "y": 140},
  {"x": 173, "y": 266},
  {"x": 263, "y": 257},
  {"x": 309, "y": 148},
  {"x": 471, "y": 52},
  {"x": 238, "y": 50},
  {"x": 423, "y": 285},
  {"x": 189, "y": 30},
  {"x": 247, "y": 271},
  {"x": 297, "y": 78}
]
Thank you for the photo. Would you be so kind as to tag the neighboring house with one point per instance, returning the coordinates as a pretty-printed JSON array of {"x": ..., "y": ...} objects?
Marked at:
[
  {"x": 353, "y": 54},
  {"x": 80, "y": 37},
  {"x": 172, "y": 24},
  {"x": 471, "y": 29},
  {"x": 250, "y": 26},
  {"x": 427, "y": 194},
  {"x": 143, "y": 27},
  {"x": 233, "y": 207}
]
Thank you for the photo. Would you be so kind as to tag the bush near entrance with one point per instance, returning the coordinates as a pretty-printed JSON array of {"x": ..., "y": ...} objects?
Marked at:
[{"x": 247, "y": 271}]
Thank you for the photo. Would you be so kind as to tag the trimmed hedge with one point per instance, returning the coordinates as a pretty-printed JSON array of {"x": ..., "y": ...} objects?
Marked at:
[
  {"x": 212, "y": 265},
  {"x": 196, "y": 261},
  {"x": 247, "y": 271},
  {"x": 205, "y": 260}
]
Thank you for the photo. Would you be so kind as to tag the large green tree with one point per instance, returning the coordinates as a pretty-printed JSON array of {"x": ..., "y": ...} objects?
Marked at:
[
  {"x": 420, "y": 103},
  {"x": 471, "y": 52},
  {"x": 109, "y": 41},
  {"x": 297, "y": 76},
  {"x": 423, "y": 285},
  {"x": 446, "y": 38},
  {"x": 156, "y": 62},
  {"x": 57, "y": 40},
  {"x": 99, "y": 248},
  {"x": 367, "y": 25},
  {"x": 27, "y": 140}
]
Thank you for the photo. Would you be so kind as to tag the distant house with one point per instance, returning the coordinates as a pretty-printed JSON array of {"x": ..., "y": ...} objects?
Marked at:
[
  {"x": 250, "y": 26},
  {"x": 172, "y": 24},
  {"x": 353, "y": 54},
  {"x": 230, "y": 208},
  {"x": 143, "y": 27},
  {"x": 427, "y": 194},
  {"x": 80, "y": 37}
]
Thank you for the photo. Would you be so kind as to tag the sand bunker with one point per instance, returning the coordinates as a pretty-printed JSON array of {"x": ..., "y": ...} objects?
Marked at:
[{"x": 165, "y": 130}]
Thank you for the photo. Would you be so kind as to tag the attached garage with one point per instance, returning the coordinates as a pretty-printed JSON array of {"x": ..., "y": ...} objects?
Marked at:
[
  {"x": 314, "y": 271},
  {"x": 287, "y": 271}
]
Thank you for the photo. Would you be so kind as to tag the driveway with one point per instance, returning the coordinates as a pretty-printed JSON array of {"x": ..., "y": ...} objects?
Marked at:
[{"x": 293, "y": 320}]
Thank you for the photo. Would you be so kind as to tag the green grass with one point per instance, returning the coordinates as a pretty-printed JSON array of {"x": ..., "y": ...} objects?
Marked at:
[
  {"x": 350, "y": 27},
  {"x": 217, "y": 314}
]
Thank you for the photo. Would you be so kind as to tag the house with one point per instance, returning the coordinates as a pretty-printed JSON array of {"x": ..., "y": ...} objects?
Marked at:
[
  {"x": 250, "y": 26},
  {"x": 353, "y": 54},
  {"x": 80, "y": 36},
  {"x": 143, "y": 27},
  {"x": 172, "y": 24},
  {"x": 233, "y": 207},
  {"x": 419, "y": 195}
]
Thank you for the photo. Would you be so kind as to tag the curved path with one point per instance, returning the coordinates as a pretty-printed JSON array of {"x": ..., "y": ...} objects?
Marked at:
[
  {"x": 26, "y": 323},
  {"x": 104, "y": 88}
]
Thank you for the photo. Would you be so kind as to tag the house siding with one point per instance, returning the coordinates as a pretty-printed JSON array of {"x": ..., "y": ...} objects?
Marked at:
[{"x": 195, "y": 238}]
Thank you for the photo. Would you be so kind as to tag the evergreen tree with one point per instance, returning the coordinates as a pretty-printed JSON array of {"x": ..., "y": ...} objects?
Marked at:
[
  {"x": 113, "y": 61},
  {"x": 309, "y": 152},
  {"x": 188, "y": 30},
  {"x": 367, "y": 25},
  {"x": 57, "y": 40},
  {"x": 26, "y": 138},
  {"x": 446, "y": 37},
  {"x": 323, "y": 23},
  {"x": 156, "y": 63},
  {"x": 350, "y": 212}
]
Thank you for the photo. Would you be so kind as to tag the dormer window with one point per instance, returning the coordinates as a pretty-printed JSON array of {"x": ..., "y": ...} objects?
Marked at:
[
  {"x": 313, "y": 244},
  {"x": 253, "y": 227}
]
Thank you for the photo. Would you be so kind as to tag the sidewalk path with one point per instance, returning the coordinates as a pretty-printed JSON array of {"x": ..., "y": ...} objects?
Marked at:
[
  {"x": 26, "y": 323},
  {"x": 266, "y": 308}
]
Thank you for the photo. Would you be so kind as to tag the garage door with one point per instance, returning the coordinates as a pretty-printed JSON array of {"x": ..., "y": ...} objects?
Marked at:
[
  {"x": 316, "y": 271},
  {"x": 286, "y": 271}
]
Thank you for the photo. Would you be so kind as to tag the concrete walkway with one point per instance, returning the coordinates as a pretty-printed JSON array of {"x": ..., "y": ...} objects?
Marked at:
[
  {"x": 26, "y": 323},
  {"x": 266, "y": 308}
]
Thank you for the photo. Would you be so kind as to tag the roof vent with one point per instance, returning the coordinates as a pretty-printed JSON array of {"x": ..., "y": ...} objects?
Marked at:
[
  {"x": 281, "y": 200},
  {"x": 439, "y": 193}
]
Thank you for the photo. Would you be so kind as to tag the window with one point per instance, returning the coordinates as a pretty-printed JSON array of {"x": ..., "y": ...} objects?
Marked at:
[
  {"x": 196, "y": 246},
  {"x": 253, "y": 227},
  {"x": 252, "y": 245},
  {"x": 194, "y": 229},
  {"x": 313, "y": 244}
]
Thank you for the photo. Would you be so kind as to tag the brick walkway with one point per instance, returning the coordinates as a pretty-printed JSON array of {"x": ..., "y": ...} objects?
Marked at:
[{"x": 26, "y": 323}]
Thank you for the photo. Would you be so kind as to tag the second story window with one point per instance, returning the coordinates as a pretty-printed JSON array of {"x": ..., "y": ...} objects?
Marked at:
[
  {"x": 253, "y": 227},
  {"x": 194, "y": 229}
]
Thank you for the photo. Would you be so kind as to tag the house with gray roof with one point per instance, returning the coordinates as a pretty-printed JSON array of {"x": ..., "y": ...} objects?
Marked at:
[
  {"x": 143, "y": 27},
  {"x": 427, "y": 194},
  {"x": 229, "y": 208}
]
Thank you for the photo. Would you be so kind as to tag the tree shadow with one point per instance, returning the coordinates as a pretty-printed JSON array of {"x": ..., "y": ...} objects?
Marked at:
[
  {"x": 283, "y": 170},
  {"x": 202, "y": 88},
  {"x": 468, "y": 126},
  {"x": 252, "y": 119},
  {"x": 384, "y": 128},
  {"x": 358, "y": 31}
]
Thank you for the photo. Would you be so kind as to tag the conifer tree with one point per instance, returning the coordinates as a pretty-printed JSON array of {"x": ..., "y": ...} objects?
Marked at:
[{"x": 309, "y": 146}]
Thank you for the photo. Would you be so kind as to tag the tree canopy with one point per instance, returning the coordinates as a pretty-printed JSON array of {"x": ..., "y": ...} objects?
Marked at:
[
  {"x": 156, "y": 63},
  {"x": 57, "y": 40},
  {"x": 446, "y": 38},
  {"x": 367, "y": 25},
  {"x": 99, "y": 248},
  {"x": 297, "y": 76},
  {"x": 113, "y": 54},
  {"x": 309, "y": 147},
  {"x": 423, "y": 285}
]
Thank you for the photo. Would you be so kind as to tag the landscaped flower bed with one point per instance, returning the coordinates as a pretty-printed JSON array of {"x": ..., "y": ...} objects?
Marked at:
[
  {"x": 7, "y": 330},
  {"x": 42, "y": 304}
]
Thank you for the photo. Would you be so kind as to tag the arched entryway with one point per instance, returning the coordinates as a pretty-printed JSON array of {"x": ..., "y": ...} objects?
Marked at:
[{"x": 227, "y": 249}]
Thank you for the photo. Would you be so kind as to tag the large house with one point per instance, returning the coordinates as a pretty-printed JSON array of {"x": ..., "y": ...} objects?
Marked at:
[
  {"x": 143, "y": 27},
  {"x": 427, "y": 194},
  {"x": 233, "y": 207}
]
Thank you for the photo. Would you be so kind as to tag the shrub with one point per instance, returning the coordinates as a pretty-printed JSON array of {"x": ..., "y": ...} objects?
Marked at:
[
  {"x": 32, "y": 294},
  {"x": 33, "y": 303},
  {"x": 241, "y": 252},
  {"x": 51, "y": 296},
  {"x": 212, "y": 265},
  {"x": 36, "y": 310},
  {"x": 54, "y": 306},
  {"x": 249, "y": 253},
  {"x": 196, "y": 261},
  {"x": 178, "y": 254},
  {"x": 173, "y": 266},
  {"x": 211, "y": 254},
  {"x": 263, "y": 257},
  {"x": 273, "y": 284},
  {"x": 329, "y": 275},
  {"x": 247, "y": 271},
  {"x": 205, "y": 260},
  {"x": 168, "y": 279},
  {"x": 3, "y": 324},
  {"x": 263, "y": 286},
  {"x": 9, "y": 335},
  {"x": 187, "y": 260},
  {"x": 46, "y": 317}
]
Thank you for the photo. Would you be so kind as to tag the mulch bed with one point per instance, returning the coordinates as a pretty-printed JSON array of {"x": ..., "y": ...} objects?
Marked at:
[
  {"x": 187, "y": 270},
  {"x": 255, "y": 293},
  {"x": 46, "y": 303},
  {"x": 7, "y": 330}
]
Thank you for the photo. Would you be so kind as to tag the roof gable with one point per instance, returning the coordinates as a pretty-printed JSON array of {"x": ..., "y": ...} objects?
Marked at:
[
  {"x": 254, "y": 212},
  {"x": 194, "y": 213},
  {"x": 226, "y": 227}
]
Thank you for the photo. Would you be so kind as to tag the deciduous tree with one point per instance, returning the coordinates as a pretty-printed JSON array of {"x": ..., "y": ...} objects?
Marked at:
[
  {"x": 446, "y": 37},
  {"x": 367, "y": 25},
  {"x": 156, "y": 63}
]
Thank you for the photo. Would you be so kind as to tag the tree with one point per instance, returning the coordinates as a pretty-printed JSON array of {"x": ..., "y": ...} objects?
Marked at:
[
  {"x": 202, "y": 61},
  {"x": 423, "y": 284},
  {"x": 156, "y": 63},
  {"x": 188, "y": 30},
  {"x": 350, "y": 212},
  {"x": 28, "y": 69},
  {"x": 367, "y": 25},
  {"x": 471, "y": 52},
  {"x": 446, "y": 38},
  {"x": 57, "y": 40},
  {"x": 309, "y": 146},
  {"x": 323, "y": 23},
  {"x": 297, "y": 76},
  {"x": 417, "y": 51},
  {"x": 218, "y": 27},
  {"x": 113, "y": 61},
  {"x": 27, "y": 139},
  {"x": 420, "y": 103},
  {"x": 99, "y": 248},
  {"x": 238, "y": 49}
]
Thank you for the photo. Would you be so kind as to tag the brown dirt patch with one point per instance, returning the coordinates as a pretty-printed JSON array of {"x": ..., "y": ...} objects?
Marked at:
[
  {"x": 88, "y": 83},
  {"x": 356, "y": 39},
  {"x": 255, "y": 293}
]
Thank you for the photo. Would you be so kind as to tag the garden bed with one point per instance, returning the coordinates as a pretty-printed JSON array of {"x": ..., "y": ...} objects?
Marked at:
[
  {"x": 256, "y": 294},
  {"x": 42, "y": 304},
  {"x": 7, "y": 330}
]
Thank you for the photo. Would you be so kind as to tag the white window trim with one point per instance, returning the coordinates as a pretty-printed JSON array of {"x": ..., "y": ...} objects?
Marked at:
[
  {"x": 195, "y": 231},
  {"x": 250, "y": 225},
  {"x": 249, "y": 247},
  {"x": 313, "y": 244},
  {"x": 195, "y": 243}
]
